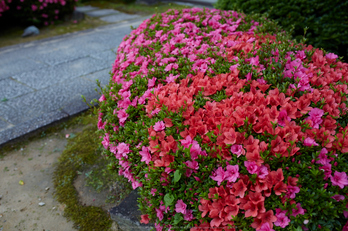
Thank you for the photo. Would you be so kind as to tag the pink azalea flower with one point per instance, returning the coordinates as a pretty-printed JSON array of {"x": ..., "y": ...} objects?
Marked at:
[
  {"x": 123, "y": 149},
  {"x": 263, "y": 172},
  {"x": 192, "y": 164},
  {"x": 323, "y": 157},
  {"x": 145, "y": 155},
  {"x": 156, "y": 111},
  {"x": 186, "y": 142},
  {"x": 180, "y": 207},
  {"x": 136, "y": 184},
  {"x": 283, "y": 116},
  {"x": 195, "y": 150},
  {"x": 151, "y": 82},
  {"x": 331, "y": 56},
  {"x": 265, "y": 227},
  {"x": 237, "y": 150},
  {"x": 159, "y": 214},
  {"x": 153, "y": 191},
  {"x": 158, "y": 227},
  {"x": 282, "y": 220},
  {"x": 106, "y": 141},
  {"x": 232, "y": 173},
  {"x": 218, "y": 175},
  {"x": 315, "y": 115},
  {"x": 33, "y": 7},
  {"x": 309, "y": 142},
  {"x": 248, "y": 76},
  {"x": 122, "y": 116},
  {"x": 291, "y": 191},
  {"x": 327, "y": 171},
  {"x": 102, "y": 98},
  {"x": 159, "y": 126},
  {"x": 251, "y": 167},
  {"x": 339, "y": 179},
  {"x": 188, "y": 216},
  {"x": 338, "y": 198},
  {"x": 298, "y": 211},
  {"x": 345, "y": 214}
]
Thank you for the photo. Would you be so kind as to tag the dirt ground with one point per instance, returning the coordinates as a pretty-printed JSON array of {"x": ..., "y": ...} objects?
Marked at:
[{"x": 26, "y": 180}]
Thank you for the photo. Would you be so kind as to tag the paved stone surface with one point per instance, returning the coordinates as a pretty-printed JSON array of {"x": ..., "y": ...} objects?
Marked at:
[
  {"x": 43, "y": 80},
  {"x": 118, "y": 17},
  {"x": 10, "y": 88},
  {"x": 85, "y": 8},
  {"x": 100, "y": 13}
]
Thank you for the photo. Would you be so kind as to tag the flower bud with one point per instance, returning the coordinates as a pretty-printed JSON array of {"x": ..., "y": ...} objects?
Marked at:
[{"x": 305, "y": 222}]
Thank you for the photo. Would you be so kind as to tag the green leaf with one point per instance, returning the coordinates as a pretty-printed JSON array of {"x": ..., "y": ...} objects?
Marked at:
[
  {"x": 299, "y": 229},
  {"x": 177, "y": 176},
  {"x": 177, "y": 218},
  {"x": 168, "y": 199},
  {"x": 4, "y": 99}
]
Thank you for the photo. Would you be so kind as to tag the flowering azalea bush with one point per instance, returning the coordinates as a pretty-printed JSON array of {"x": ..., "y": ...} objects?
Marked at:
[
  {"x": 223, "y": 126},
  {"x": 39, "y": 12}
]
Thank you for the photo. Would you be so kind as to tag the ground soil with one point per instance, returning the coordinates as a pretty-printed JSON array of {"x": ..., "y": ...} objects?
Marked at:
[{"x": 34, "y": 165}]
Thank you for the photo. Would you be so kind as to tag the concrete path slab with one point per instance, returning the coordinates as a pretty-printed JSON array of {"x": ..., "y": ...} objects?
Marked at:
[
  {"x": 119, "y": 17},
  {"x": 85, "y": 8},
  {"x": 103, "y": 12}
]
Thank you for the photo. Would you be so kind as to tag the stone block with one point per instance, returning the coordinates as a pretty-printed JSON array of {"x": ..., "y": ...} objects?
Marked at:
[
  {"x": 119, "y": 17},
  {"x": 45, "y": 77},
  {"x": 10, "y": 89},
  {"x": 101, "y": 13},
  {"x": 85, "y": 8}
]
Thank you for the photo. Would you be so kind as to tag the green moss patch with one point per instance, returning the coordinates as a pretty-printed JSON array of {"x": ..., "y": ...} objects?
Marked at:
[{"x": 83, "y": 152}]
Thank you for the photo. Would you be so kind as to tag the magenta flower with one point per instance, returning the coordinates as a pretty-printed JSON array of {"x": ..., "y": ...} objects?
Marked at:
[
  {"x": 186, "y": 142},
  {"x": 195, "y": 150},
  {"x": 309, "y": 142},
  {"x": 102, "y": 98},
  {"x": 248, "y": 76},
  {"x": 159, "y": 126},
  {"x": 122, "y": 116},
  {"x": 339, "y": 179},
  {"x": 180, "y": 207},
  {"x": 151, "y": 82},
  {"x": 282, "y": 117},
  {"x": 298, "y": 211},
  {"x": 188, "y": 216},
  {"x": 136, "y": 184},
  {"x": 192, "y": 164},
  {"x": 265, "y": 227},
  {"x": 159, "y": 214},
  {"x": 237, "y": 150},
  {"x": 327, "y": 171},
  {"x": 123, "y": 149},
  {"x": 282, "y": 220},
  {"x": 153, "y": 191},
  {"x": 338, "y": 198},
  {"x": 106, "y": 141},
  {"x": 251, "y": 167},
  {"x": 232, "y": 173},
  {"x": 331, "y": 56},
  {"x": 263, "y": 172},
  {"x": 315, "y": 115},
  {"x": 291, "y": 191},
  {"x": 218, "y": 175},
  {"x": 145, "y": 155},
  {"x": 323, "y": 157}
]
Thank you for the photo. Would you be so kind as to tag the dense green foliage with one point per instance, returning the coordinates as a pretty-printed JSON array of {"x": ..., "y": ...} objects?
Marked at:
[{"x": 326, "y": 20}]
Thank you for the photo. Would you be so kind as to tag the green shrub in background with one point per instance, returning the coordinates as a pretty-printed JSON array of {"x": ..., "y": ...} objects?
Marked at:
[
  {"x": 37, "y": 12},
  {"x": 327, "y": 20}
]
